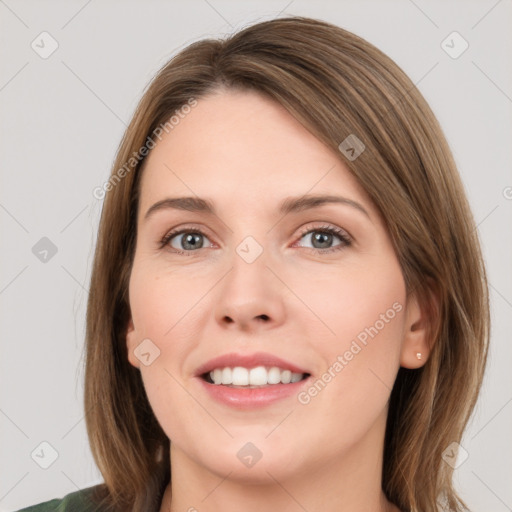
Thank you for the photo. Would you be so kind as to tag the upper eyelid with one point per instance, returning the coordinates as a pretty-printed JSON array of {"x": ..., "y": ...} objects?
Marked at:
[
  {"x": 343, "y": 233},
  {"x": 328, "y": 227}
]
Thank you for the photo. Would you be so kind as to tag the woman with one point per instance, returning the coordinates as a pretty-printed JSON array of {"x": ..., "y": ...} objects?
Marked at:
[{"x": 288, "y": 308}]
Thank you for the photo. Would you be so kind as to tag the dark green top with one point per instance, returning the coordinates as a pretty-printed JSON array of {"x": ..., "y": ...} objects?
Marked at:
[{"x": 78, "y": 501}]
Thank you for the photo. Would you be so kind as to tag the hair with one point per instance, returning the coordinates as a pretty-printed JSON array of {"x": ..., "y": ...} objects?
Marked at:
[{"x": 336, "y": 84}]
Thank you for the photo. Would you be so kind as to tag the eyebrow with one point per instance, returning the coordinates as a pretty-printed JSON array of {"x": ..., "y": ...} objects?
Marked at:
[{"x": 289, "y": 205}]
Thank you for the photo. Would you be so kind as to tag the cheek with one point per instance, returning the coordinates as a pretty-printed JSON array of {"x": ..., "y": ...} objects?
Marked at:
[
  {"x": 364, "y": 311},
  {"x": 162, "y": 307},
  {"x": 361, "y": 309},
  {"x": 163, "y": 301},
  {"x": 361, "y": 301}
]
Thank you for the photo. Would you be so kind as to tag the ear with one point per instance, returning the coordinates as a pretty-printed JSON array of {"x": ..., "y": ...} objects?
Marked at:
[
  {"x": 131, "y": 344},
  {"x": 421, "y": 327}
]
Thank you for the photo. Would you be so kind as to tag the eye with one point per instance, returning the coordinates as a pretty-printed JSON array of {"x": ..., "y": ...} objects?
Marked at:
[
  {"x": 190, "y": 240},
  {"x": 185, "y": 240},
  {"x": 322, "y": 238}
]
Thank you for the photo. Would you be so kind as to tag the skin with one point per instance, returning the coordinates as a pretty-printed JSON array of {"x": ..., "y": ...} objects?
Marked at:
[{"x": 246, "y": 154}]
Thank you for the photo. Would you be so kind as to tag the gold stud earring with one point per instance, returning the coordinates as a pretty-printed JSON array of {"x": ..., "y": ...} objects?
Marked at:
[{"x": 418, "y": 355}]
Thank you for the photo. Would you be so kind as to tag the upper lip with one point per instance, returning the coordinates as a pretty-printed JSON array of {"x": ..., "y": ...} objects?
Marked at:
[{"x": 232, "y": 360}]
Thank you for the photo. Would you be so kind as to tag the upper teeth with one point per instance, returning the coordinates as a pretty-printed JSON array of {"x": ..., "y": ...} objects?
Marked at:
[{"x": 259, "y": 376}]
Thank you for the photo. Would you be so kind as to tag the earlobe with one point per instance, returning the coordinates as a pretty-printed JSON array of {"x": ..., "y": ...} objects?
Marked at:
[
  {"x": 421, "y": 317},
  {"x": 131, "y": 344}
]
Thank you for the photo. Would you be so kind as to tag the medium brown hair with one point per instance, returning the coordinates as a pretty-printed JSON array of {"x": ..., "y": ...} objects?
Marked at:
[{"x": 336, "y": 84}]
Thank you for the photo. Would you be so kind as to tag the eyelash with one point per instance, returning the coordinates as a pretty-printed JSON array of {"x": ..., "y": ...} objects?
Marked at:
[{"x": 341, "y": 234}]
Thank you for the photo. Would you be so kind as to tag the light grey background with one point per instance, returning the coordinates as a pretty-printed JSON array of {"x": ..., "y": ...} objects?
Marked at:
[{"x": 62, "y": 120}]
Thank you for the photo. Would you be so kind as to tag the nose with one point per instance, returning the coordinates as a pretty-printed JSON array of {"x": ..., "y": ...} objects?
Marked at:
[{"x": 250, "y": 296}]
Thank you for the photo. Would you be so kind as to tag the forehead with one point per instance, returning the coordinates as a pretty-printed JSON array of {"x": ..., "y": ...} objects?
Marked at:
[{"x": 241, "y": 147}]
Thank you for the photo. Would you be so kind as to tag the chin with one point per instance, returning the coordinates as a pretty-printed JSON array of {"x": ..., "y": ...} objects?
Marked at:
[
  {"x": 263, "y": 472},
  {"x": 251, "y": 459}
]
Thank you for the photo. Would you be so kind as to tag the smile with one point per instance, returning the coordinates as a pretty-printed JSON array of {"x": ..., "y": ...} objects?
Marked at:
[{"x": 259, "y": 376}]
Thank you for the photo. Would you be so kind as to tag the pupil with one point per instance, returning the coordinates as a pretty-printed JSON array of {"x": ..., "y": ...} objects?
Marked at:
[
  {"x": 188, "y": 241},
  {"x": 322, "y": 238}
]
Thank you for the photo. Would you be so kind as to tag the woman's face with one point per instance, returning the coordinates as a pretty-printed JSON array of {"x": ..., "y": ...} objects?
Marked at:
[{"x": 260, "y": 282}]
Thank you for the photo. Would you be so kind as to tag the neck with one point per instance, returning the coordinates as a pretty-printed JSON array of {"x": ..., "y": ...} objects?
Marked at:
[{"x": 348, "y": 482}]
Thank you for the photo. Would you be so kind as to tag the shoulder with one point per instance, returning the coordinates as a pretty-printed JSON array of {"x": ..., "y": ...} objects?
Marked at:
[{"x": 78, "y": 501}]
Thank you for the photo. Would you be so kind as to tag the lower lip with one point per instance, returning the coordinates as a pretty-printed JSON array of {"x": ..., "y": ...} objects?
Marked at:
[{"x": 248, "y": 398}]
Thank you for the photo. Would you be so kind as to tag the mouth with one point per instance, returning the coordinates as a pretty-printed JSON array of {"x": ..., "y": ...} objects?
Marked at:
[{"x": 251, "y": 378}]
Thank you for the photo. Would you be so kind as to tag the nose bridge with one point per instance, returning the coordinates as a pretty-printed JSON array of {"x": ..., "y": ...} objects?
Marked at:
[
  {"x": 249, "y": 276},
  {"x": 250, "y": 250},
  {"x": 250, "y": 291}
]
